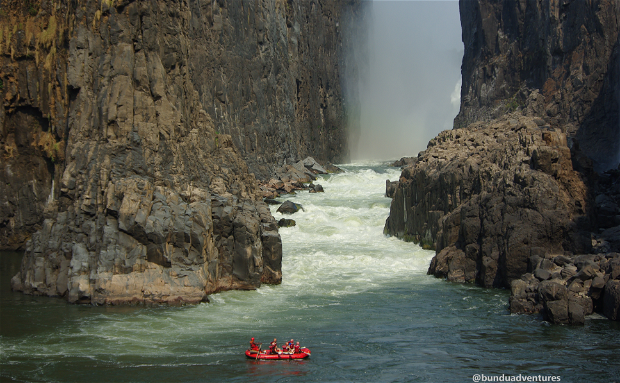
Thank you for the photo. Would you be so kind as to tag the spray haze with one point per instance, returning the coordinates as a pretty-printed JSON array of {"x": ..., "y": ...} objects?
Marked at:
[{"x": 409, "y": 87}]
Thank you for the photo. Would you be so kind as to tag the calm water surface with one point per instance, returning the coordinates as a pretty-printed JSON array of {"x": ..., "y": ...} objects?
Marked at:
[{"x": 362, "y": 302}]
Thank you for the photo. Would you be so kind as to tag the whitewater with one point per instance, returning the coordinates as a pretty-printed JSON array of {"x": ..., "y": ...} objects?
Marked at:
[{"x": 360, "y": 300}]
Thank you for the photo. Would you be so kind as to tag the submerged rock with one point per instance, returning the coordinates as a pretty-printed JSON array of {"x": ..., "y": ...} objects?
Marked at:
[
  {"x": 315, "y": 188},
  {"x": 284, "y": 222},
  {"x": 289, "y": 207}
]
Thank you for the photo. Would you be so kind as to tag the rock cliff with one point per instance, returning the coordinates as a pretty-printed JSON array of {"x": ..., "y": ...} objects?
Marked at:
[
  {"x": 489, "y": 196},
  {"x": 512, "y": 188},
  {"x": 558, "y": 59},
  {"x": 128, "y": 127}
]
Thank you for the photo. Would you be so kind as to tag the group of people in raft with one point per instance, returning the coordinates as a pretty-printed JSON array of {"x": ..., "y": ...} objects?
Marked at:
[{"x": 289, "y": 348}]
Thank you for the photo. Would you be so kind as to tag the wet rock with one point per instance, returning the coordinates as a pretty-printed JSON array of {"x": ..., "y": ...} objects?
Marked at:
[
  {"x": 270, "y": 201},
  {"x": 284, "y": 222},
  {"x": 556, "y": 312},
  {"x": 611, "y": 300},
  {"x": 453, "y": 264},
  {"x": 315, "y": 188},
  {"x": 576, "y": 313},
  {"x": 390, "y": 188},
  {"x": 289, "y": 207}
]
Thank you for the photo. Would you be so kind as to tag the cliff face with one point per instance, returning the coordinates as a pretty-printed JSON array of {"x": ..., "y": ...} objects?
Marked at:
[
  {"x": 511, "y": 190},
  {"x": 557, "y": 59},
  {"x": 114, "y": 122},
  {"x": 488, "y": 197},
  {"x": 269, "y": 74}
]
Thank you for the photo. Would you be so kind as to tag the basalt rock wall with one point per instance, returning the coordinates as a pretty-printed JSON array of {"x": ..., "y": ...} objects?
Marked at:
[
  {"x": 514, "y": 182},
  {"x": 267, "y": 73},
  {"x": 488, "y": 197},
  {"x": 270, "y": 74},
  {"x": 557, "y": 59},
  {"x": 117, "y": 162}
]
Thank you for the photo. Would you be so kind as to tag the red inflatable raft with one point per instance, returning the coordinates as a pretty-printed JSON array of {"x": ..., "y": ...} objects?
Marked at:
[{"x": 283, "y": 356}]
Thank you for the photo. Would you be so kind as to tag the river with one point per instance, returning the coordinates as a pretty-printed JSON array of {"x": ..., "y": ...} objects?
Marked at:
[{"x": 361, "y": 301}]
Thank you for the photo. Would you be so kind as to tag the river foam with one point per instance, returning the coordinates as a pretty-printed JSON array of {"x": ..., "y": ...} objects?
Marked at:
[{"x": 361, "y": 301}]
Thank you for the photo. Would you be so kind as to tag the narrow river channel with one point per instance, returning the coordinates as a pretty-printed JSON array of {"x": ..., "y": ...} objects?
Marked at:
[{"x": 361, "y": 301}]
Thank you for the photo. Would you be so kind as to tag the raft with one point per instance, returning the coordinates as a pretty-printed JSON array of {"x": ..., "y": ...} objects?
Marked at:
[{"x": 283, "y": 356}]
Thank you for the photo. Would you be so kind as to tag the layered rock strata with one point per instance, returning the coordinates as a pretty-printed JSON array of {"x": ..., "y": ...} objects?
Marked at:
[{"x": 114, "y": 124}]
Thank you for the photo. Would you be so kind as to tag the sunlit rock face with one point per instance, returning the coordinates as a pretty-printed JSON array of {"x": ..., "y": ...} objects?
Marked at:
[
  {"x": 128, "y": 127},
  {"x": 512, "y": 189},
  {"x": 489, "y": 196},
  {"x": 553, "y": 59}
]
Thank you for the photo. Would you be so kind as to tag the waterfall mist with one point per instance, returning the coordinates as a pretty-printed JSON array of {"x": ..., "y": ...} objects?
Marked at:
[{"x": 410, "y": 80}]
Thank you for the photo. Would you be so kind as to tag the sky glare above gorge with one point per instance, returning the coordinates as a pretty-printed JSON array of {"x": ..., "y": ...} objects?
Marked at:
[{"x": 410, "y": 84}]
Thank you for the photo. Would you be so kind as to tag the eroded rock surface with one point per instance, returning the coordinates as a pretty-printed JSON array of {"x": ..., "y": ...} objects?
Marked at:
[
  {"x": 556, "y": 60},
  {"x": 127, "y": 127},
  {"x": 568, "y": 288},
  {"x": 489, "y": 196}
]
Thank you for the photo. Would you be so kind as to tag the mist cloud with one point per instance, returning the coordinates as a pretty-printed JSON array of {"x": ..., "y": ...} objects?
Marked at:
[{"x": 409, "y": 86}]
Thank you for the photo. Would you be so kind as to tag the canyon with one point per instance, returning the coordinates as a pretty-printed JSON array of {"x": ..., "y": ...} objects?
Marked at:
[{"x": 134, "y": 132}]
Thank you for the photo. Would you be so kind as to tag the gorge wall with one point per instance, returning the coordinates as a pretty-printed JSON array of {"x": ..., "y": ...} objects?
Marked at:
[
  {"x": 560, "y": 60},
  {"x": 514, "y": 182},
  {"x": 133, "y": 132}
]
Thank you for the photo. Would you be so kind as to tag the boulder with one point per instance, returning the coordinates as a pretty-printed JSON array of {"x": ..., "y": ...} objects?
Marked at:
[
  {"x": 289, "y": 207},
  {"x": 542, "y": 274},
  {"x": 556, "y": 312},
  {"x": 552, "y": 291},
  {"x": 310, "y": 164},
  {"x": 589, "y": 271},
  {"x": 611, "y": 300},
  {"x": 315, "y": 188},
  {"x": 576, "y": 313},
  {"x": 561, "y": 260},
  {"x": 284, "y": 222}
]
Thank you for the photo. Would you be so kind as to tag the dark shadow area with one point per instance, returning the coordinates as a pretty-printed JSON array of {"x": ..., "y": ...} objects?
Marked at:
[{"x": 599, "y": 133}]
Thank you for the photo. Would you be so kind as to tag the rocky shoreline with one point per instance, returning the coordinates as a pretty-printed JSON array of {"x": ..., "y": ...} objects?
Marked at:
[
  {"x": 503, "y": 206},
  {"x": 524, "y": 192},
  {"x": 134, "y": 133}
]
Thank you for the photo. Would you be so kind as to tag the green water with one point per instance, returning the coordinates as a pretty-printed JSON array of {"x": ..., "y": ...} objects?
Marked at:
[{"x": 362, "y": 302}]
